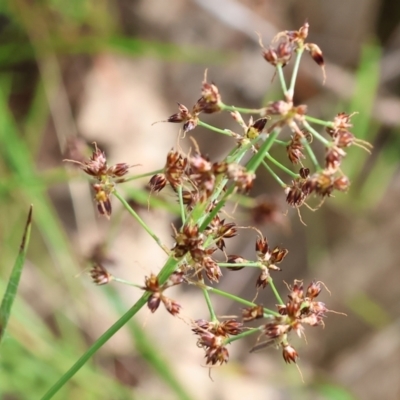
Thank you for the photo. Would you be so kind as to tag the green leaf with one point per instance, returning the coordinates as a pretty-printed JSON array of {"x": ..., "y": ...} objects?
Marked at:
[{"x": 11, "y": 290}]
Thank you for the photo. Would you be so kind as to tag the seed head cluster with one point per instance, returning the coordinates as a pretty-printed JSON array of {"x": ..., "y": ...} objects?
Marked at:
[
  {"x": 202, "y": 187},
  {"x": 105, "y": 178}
]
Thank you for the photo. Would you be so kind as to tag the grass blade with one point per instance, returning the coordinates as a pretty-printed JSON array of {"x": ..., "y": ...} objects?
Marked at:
[{"x": 13, "y": 282}]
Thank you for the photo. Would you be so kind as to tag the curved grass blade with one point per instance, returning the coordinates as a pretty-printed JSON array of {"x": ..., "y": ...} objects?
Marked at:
[{"x": 11, "y": 290}]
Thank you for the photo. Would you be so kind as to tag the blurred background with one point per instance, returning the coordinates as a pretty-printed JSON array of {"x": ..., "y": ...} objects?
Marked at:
[{"x": 81, "y": 71}]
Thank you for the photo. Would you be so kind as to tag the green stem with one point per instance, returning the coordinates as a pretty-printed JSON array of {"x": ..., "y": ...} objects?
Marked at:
[
  {"x": 119, "y": 280},
  {"x": 95, "y": 347},
  {"x": 290, "y": 91},
  {"x": 278, "y": 297},
  {"x": 166, "y": 271},
  {"x": 315, "y": 133},
  {"x": 317, "y": 121},
  {"x": 213, "y": 128},
  {"x": 234, "y": 156},
  {"x": 282, "y": 142},
  {"x": 276, "y": 177},
  {"x": 242, "y": 335},
  {"x": 282, "y": 167},
  {"x": 213, "y": 317},
  {"x": 311, "y": 154},
  {"x": 239, "y": 300},
  {"x": 141, "y": 222},
  {"x": 243, "y": 264},
  {"x": 256, "y": 160},
  {"x": 225, "y": 107},
  {"x": 132, "y": 178},
  {"x": 181, "y": 205},
  {"x": 279, "y": 69}
]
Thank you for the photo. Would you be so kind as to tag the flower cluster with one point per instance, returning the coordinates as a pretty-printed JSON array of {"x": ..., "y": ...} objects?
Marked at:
[
  {"x": 213, "y": 337},
  {"x": 106, "y": 177},
  {"x": 156, "y": 291},
  {"x": 209, "y": 102},
  {"x": 300, "y": 310},
  {"x": 203, "y": 187}
]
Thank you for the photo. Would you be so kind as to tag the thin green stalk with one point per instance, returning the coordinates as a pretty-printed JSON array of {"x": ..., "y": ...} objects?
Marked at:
[
  {"x": 248, "y": 332},
  {"x": 119, "y": 280},
  {"x": 148, "y": 350},
  {"x": 225, "y": 107},
  {"x": 213, "y": 317},
  {"x": 95, "y": 347},
  {"x": 166, "y": 271},
  {"x": 243, "y": 264},
  {"x": 217, "y": 208},
  {"x": 276, "y": 293},
  {"x": 316, "y": 134},
  {"x": 255, "y": 161},
  {"x": 141, "y": 222},
  {"x": 290, "y": 91},
  {"x": 317, "y": 121},
  {"x": 282, "y": 167},
  {"x": 311, "y": 154},
  {"x": 181, "y": 205},
  {"x": 279, "y": 69},
  {"x": 132, "y": 178},
  {"x": 275, "y": 176},
  {"x": 213, "y": 128},
  {"x": 282, "y": 142},
  {"x": 239, "y": 300}
]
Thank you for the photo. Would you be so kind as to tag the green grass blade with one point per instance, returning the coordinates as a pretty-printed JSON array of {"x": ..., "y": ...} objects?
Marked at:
[
  {"x": 149, "y": 351},
  {"x": 11, "y": 290},
  {"x": 166, "y": 271}
]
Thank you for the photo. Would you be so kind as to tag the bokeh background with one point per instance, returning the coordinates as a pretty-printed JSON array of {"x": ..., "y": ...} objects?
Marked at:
[{"x": 78, "y": 71}]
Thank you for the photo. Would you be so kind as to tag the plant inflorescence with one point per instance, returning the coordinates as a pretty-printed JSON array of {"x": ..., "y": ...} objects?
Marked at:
[{"x": 203, "y": 187}]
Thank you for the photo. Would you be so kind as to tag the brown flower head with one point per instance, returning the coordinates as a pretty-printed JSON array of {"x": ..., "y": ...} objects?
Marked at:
[
  {"x": 289, "y": 353},
  {"x": 157, "y": 182},
  {"x": 175, "y": 168},
  {"x": 210, "y": 100},
  {"x": 235, "y": 259},
  {"x": 153, "y": 286},
  {"x": 100, "y": 275},
  {"x": 267, "y": 256},
  {"x": 102, "y": 197},
  {"x": 252, "y": 313},
  {"x": 183, "y": 115},
  {"x": 256, "y": 128},
  {"x": 221, "y": 230},
  {"x": 243, "y": 179}
]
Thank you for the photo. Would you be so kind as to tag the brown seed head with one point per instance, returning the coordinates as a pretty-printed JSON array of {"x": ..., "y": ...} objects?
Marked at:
[
  {"x": 102, "y": 197},
  {"x": 100, "y": 275},
  {"x": 256, "y": 128},
  {"x": 182, "y": 116},
  {"x": 175, "y": 168},
  {"x": 252, "y": 313},
  {"x": 171, "y": 305},
  {"x": 333, "y": 158},
  {"x": 263, "y": 279},
  {"x": 157, "y": 182},
  {"x": 235, "y": 259},
  {"x": 289, "y": 353},
  {"x": 313, "y": 290},
  {"x": 154, "y": 301}
]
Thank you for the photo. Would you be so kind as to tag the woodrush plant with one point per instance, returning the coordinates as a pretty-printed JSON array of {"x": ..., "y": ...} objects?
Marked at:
[{"x": 203, "y": 188}]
